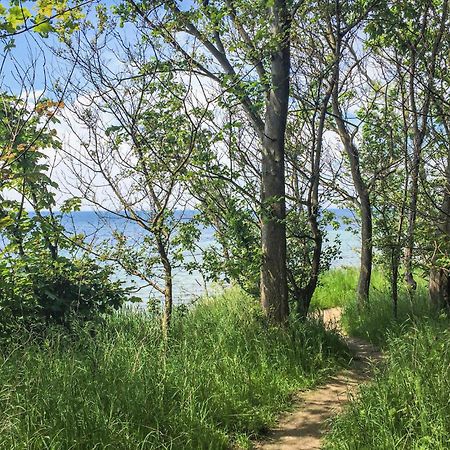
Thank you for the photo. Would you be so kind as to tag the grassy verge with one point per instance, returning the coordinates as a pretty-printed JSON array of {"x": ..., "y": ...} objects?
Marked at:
[
  {"x": 222, "y": 379},
  {"x": 377, "y": 323},
  {"x": 407, "y": 405},
  {"x": 337, "y": 287}
]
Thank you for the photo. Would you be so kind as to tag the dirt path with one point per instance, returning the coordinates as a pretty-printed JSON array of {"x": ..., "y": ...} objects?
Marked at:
[{"x": 303, "y": 428}]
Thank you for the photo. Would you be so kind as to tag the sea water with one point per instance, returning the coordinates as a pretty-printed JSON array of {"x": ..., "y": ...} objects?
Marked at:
[{"x": 100, "y": 227}]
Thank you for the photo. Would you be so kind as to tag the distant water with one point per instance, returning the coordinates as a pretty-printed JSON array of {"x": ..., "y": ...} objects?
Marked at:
[{"x": 99, "y": 227}]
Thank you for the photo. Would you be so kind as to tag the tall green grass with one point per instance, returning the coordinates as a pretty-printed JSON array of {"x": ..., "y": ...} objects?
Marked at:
[
  {"x": 337, "y": 287},
  {"x": 223, "y": 377},
  {"x": 408, "y": 405},
  {"x": 377, "y": 322}
]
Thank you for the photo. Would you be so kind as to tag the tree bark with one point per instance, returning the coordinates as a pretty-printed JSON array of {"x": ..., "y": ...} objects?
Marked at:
[
  {"x": 395, "y": 263},
  {"x": 271, "y": 130},
  {"x": 168, "y": 288},
  {"x": 303, "y": 296},
  {"x": 361, "y": 188},
  {"x": 364, "y": 204},
  {"x": 414, "y": 189},
  {"x": 420, "y": 126},
  {"x": 439, "y": 282},
  {"x": 274, "y": 291}
]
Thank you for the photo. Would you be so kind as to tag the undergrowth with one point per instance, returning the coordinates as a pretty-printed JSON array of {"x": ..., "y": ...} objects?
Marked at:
[
  {"x": 407, "y": 405},
  {"x": 337, "y": 287},
  {"x": 376, "y": 321},
  {"x": 222, "y": 378}
]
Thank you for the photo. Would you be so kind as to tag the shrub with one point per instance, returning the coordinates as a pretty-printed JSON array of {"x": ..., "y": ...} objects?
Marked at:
[{"x": 38, "y": 290}]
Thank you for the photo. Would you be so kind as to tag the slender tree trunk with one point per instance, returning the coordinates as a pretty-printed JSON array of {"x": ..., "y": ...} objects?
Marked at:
[
  {"x": 439, "y": 283},
  {"x": 168, "y": 300},
  {"x": 365, "y": 274},
  {"x": 304, "y": 296},
  {"x": 168, "y": 288},
  {"x": 364, "y": 204},
  {"x": 274, "y": 292},
  {"x": 395, "y": 263},
  {"x": 420, "y": 126},
  {"x": 414, "y": 188},
  {"x": 362, "y": 191}
]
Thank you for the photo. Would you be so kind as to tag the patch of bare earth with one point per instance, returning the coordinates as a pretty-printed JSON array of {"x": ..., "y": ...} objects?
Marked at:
[{"x": 304, "y": 427}]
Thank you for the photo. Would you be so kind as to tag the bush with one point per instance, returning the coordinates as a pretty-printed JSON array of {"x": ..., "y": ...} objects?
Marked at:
[{"x": 37, "y": 291}]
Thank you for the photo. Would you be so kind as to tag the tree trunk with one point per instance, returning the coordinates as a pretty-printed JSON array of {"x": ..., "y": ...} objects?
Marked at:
[
  {"x": 439, "y": 283},
  {"x": 439, "y": 288},
  {"x": 362, "y": 191},
  {"x": 414, "y": 192},
  {"x": 168, "y": 288},
  {"x": 304, "y": 296},
  {"x": 364, "y": 204},
  {"x": 365, "y": 273},
  {"x": 395, "y": 263},
  {"x": 274, "y": 292},
  {"x": 420, "y": 126}
]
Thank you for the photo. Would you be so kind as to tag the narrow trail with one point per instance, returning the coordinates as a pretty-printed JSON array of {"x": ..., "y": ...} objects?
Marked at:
[{"x": 303, "y": 428}]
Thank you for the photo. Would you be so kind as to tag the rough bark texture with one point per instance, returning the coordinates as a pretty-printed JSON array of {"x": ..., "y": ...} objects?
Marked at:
[
  {"x": 274, "y": 292},
  {"x": 271, "y": 130}
]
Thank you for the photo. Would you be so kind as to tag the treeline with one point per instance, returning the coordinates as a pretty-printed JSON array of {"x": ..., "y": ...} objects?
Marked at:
[{"x": 259, "y": 115}]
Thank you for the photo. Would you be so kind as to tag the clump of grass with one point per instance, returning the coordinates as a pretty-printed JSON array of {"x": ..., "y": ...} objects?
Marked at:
[
  {"x": 337, "y": 287},
  {"x": 222, "y": 378},
  {"x": 407, "y": 405},
  {"x": 376, "y": 322}
]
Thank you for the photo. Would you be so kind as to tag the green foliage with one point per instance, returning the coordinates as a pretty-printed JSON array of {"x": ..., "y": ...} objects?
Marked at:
[
  {"x": 40, "y": 16},
  {"x": 337, "y": 287},
  {"x": 38, "y": 286},
  {"x": 377, "y": 321},
  {"x": 166, "y": 147},
  {"x": 224, "y": 377},
  {"x": 37, "y": 291},
  {"x": 24, "y": 133},
  {"x": 235, "y": 256},
  {"x": 406, "y": 406},
  {"x": 301, "y": 244},
  {"x": 398, "y": 24}
]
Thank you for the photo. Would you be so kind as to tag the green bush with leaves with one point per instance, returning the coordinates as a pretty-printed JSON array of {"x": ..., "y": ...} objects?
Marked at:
[
  {"x": 39, "y": 291},
  {"x": 42, "y": 282}
]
